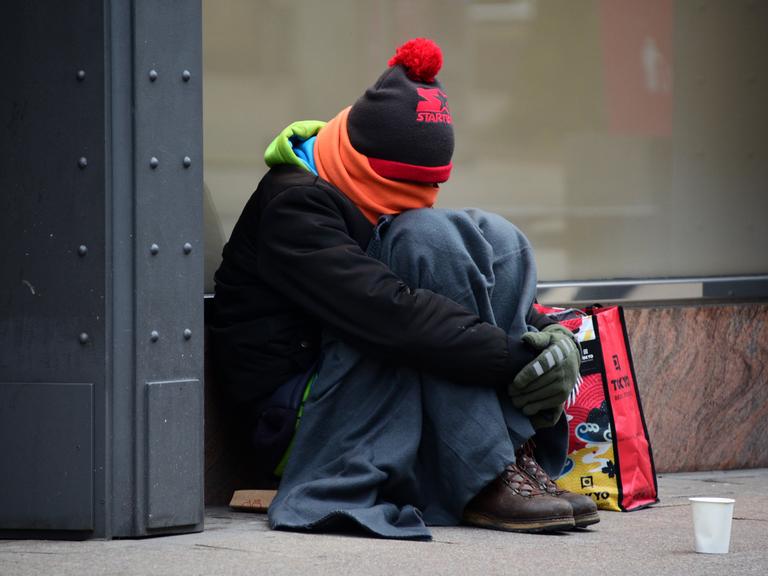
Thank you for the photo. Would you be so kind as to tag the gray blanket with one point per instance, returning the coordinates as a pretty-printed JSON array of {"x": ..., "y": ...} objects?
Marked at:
[{"x": 388, "y": 449}]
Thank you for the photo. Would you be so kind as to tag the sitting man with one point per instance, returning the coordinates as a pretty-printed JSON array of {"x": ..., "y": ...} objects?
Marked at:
[{"x": 429, "y": 390}]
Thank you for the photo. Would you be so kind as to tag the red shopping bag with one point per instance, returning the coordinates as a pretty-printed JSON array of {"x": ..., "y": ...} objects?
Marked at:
[{"x": 609, "y": 452}]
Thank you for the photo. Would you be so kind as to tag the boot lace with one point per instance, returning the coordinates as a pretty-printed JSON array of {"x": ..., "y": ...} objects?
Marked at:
[
  {"x": 534, "y": 471},
  {"x": 519, "y": 482}
]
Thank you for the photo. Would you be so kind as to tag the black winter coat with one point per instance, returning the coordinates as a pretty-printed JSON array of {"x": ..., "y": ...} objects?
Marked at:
[{"x": 296, "y": 263}]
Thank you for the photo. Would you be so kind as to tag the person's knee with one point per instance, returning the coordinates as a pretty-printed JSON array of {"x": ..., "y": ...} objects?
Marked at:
[
  {"x": 421, "y": 228},
  {"x": 455, "y": 231},
  {"x": 433, "y": 230},
  {"x": 421, "y": 245},
  {"x": 497, "y": 230}
]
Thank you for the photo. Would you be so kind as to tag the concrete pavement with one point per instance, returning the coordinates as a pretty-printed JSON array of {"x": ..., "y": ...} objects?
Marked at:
[{"x": 657, "y": 541}]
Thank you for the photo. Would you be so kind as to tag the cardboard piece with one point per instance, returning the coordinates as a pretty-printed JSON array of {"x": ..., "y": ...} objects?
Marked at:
[{"x": 252, "y": 500}]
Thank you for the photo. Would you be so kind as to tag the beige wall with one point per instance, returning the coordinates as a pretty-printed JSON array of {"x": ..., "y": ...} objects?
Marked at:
[{"x": 609, "y": 178}]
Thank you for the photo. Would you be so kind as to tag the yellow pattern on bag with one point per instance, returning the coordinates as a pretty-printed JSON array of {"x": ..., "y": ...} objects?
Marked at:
[{"x": 586, "y": 476}]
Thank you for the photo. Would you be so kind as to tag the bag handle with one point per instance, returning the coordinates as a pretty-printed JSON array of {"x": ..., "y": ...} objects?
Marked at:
[{"x": 593, "y": 309}]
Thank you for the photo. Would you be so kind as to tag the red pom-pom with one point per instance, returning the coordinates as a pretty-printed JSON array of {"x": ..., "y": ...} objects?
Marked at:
[{"x": 421, "y": 58}]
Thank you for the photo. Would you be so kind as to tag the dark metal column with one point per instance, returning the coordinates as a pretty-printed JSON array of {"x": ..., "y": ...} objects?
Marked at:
[
  {"x": 101, "y": 427},
  {"x": 167, "y": 309}
]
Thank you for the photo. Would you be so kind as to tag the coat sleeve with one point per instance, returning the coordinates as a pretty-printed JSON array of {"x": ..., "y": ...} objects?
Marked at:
[
  {"x": 306, "y": 252},
  {"x": 538, "y": 319}
]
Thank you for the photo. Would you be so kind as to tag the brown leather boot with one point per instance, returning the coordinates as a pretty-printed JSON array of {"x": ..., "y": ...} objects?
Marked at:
[
  {"x": 584, "y": 508},
  {"x": 512, "y": 502}
]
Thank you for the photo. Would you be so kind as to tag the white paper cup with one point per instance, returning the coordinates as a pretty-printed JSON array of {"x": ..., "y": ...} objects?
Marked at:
[{"x": 712, "y": 524}]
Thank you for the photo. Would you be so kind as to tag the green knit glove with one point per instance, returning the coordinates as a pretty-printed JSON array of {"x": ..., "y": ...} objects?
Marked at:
[{"x": 541, "y": 388}]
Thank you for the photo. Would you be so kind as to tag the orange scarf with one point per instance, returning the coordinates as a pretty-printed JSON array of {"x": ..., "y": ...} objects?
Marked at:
[{"x": 344, "y": 167}]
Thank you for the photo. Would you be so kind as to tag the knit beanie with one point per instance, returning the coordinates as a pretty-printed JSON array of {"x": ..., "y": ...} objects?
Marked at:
[{"x": 402, "y": 123}]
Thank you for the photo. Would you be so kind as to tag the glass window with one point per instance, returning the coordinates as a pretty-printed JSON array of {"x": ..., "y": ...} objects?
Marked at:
[{"x": 627, "y": 139}]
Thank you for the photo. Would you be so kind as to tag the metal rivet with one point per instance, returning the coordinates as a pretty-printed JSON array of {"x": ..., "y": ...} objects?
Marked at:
[
  {"x": 187, "y": 334},
  {"x": 154, "y": 336},
  {"x": 152, "y": 75},
  {"x": 186, "y": 75},
  {"x": 154, "y": 249},
  {"x": 80, "y": 75},
  {"x": 82, "y": 162},
  {"x": 187, "y": 248},
  {"x": 187, "y": 162},
  {"x": 153, "y": 162},
  {"x": 84, "y": 338},
  {"x": 82, "y": 250}
]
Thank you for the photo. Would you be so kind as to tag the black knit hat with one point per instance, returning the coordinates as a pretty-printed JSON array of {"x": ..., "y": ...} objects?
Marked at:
[{"x": 402, "y": 123}]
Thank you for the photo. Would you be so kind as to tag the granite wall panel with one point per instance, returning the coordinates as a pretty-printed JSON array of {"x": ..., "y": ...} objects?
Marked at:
[{"x": 702, "y": 372}]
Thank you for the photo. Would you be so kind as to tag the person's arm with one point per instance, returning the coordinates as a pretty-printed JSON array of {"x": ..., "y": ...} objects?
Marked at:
[
  {"x": 538, "y": 320},
  {"x": 307, "y": 254}
]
